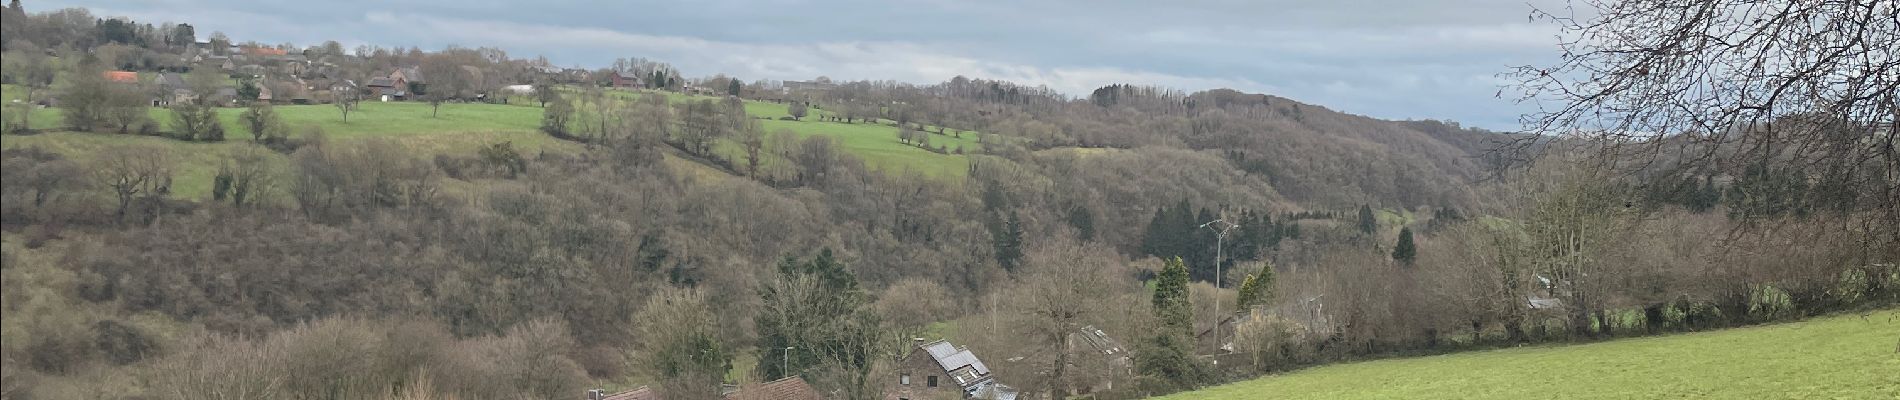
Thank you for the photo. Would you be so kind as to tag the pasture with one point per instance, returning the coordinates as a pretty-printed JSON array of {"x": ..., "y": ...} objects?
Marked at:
[
  {"x": 461, "y": 128},
  {"x": 1840, "y": 357}
]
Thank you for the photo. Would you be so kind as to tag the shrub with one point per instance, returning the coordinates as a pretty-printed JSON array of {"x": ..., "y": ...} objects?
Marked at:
[
  {"x": 122, "y": 343},
  {"x": 1766, "y": 303},
  {"x": 57, "y": 344}
]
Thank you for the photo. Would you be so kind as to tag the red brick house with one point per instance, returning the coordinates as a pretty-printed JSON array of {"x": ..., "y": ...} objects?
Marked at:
[{"x": 626, "y": 80}]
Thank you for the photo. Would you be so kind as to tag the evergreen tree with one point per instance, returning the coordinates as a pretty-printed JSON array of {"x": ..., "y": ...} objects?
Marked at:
[
  {"x": 1009, "y": 242},
  {"x": 1199, "y": 249},
  {"x": 1368, "y": 223},
  {"x": 1257, "y": 288},
  {"x": 1707, "y": 196},
  {"x": 833, "y": 275},
  {"x": 1167, "y": 357},
  {"x": 1152, "y": 237},
  {"x": 1171, "y": 298},
  {"x": 1405, "y": 251},
  {"x": 806, "y": 308},
  {"x": 1083, "y": 221},
  {"x": 248, "y": 90}
]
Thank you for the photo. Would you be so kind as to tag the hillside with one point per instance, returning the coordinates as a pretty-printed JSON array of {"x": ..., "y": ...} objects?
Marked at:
[
  {"x": 1839, "y": 357},
  {"x": 465, "y": 223}
]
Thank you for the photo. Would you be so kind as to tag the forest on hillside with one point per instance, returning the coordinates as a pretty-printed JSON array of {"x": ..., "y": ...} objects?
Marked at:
[{"x": 325, "y": 266}]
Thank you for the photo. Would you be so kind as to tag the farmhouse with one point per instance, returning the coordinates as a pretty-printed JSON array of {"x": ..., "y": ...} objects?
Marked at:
[
  {"x": 395, "y": 86},
  {"x": 940, "y": 369},
  {"x": 1103, "y": 353},
  {"x": 172, "y": 89},
  {"x": 626, "y": 80},
  {"x": 386, "y": 89}
]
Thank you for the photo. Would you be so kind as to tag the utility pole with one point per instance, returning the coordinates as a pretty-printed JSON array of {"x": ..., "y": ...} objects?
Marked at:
[{"x": 1220, "y": 235}]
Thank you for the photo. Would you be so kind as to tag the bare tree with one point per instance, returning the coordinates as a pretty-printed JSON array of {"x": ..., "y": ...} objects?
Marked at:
[
  {"x": 752, "y": 136},
  {"x": 1721, "y": 86},
  {"x": 679, "y": 345},
  {"x": 447, "y": 81},
  {"x": 345, "y": 101},
  {"x": 913, "y": 303},
  {"x": 34, "y": 72},
  {"x": 248, "y": 177},
  {"x": 1066, "y": 287},
  {"x": 133, "y": 173}
]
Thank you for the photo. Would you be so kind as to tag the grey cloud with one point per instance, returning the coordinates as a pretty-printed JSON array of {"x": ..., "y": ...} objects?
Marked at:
[{"x": 1385, "y": 58}]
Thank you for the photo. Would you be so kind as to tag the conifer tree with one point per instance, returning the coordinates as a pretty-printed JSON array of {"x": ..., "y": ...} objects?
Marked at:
[
  {"x": 1171, "y": 297},
  {"x": 1257, "y": 288},
  {"x": 1367, "y": 222},
  {"x": 1405, "y": 252}
]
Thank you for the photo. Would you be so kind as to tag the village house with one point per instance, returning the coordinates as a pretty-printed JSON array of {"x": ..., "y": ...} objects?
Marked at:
[
  {"x": 939, "y": 369},
  {"x": 172, "y": 89},
  {"x": 790, "y": 86},
  {"x": 1102, "y": 354},
  {"x": 261, "y": 51},
  {"x": 398, "y": 85},
  {"x": 252, "y": 70},
  {"x": 386, "y": 89},
  {"x": 626, "y": 80}
]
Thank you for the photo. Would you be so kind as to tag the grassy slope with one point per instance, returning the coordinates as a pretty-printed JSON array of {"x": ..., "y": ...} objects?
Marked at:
[
  {"x": 875, "y": 142},
  {"x": 461, "y": 128},
  {"x": 1843, "y": 357}
]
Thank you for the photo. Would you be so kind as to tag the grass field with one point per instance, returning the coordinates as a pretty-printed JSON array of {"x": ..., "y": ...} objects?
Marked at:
[
  {"x": 458, "y": 129},
  {"x": 1842, "y": 357},
  {"x": 462, "y": 128},
  {"x": 875, "y": 142}
]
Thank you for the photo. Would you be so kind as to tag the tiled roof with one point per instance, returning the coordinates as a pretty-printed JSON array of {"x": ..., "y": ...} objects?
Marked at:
[
  {"x": 791, "y": 388},
  {"x": 122, "y": 76},
  {"x": 172, "y": 80}
]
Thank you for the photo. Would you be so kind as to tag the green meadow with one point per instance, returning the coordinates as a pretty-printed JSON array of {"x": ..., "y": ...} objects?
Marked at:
[
  {"x": 461, "y": 128},
  {"x": 875, "y": 142},
  {"x": 1841, "y": 357}
]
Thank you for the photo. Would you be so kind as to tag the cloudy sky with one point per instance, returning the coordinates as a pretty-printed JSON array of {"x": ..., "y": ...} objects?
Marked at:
[{"x": 1394, "y": 59}]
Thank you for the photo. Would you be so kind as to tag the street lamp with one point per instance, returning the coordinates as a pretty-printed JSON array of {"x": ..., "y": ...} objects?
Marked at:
[
  {"x": 785, "y": 364},
  {"x": 1220, "y": 235}
]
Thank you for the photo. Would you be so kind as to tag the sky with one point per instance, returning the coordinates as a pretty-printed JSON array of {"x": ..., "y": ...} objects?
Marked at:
[{"x": 1392, "y": 59}]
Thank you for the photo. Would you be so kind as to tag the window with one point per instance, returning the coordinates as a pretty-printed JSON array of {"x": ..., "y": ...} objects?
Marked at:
[
  {"x": 931, "y": 381},
  {"x": 903, "y": 380}
]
